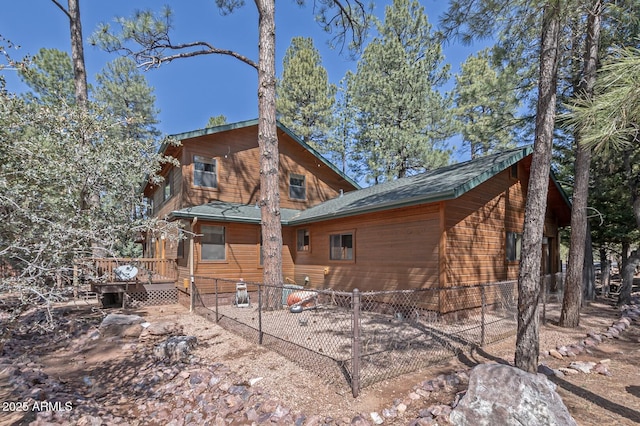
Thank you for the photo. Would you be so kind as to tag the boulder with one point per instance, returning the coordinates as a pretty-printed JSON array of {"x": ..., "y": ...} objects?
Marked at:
[
  {"x": 163, "y": 328},
  {"x": 175, "y": 348},
  {"x": 120, "y": 325},
  {"x": 505, "y": 395}
]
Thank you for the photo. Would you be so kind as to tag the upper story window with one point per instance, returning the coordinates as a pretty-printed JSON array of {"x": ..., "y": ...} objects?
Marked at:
[
  {"x": 297, "y": 187},
  {"x": 303, "y": 242},
  {"x": 167, "y": 191},
  {"x": 213, "y": 243},
  {"x": 513, "y": 246},
  {"x": 205, "y": 171},
  {"x": 341, "y": 246},
  {"x": 147, "y": 209},
  {"x": 513, "y": 171}
]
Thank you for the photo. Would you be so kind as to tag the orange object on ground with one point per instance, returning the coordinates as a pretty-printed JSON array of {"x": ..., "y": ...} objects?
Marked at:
[{"x": 306, "y": 297}]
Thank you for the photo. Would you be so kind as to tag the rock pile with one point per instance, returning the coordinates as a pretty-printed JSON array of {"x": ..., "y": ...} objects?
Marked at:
[
  {"x": 162, "y": 387},
  {"x": 630, "y": 313}
]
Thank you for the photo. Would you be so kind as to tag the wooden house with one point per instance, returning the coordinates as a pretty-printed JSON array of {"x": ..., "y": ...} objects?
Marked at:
[{"x": 455, "y": 226}]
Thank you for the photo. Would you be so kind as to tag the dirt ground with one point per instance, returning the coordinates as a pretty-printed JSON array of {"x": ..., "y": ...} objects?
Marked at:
[{"x": 592, "y": 399}]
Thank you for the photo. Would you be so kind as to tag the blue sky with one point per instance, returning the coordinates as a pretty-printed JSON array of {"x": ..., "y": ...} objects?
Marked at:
[{"x": 189, "y": 91}]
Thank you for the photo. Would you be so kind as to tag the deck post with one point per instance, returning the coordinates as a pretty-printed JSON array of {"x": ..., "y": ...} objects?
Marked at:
[
  {"x": 76, "y": 283},
  {"x": 482, "y": 313},
  {"x": 355, "y": 345}
]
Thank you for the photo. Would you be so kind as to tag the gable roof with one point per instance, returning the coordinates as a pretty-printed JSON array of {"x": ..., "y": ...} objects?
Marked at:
[
  {"x": 445, "y": 183},
  {"x": 441, "y": 184},
  {"x": 254, "y": 122}
]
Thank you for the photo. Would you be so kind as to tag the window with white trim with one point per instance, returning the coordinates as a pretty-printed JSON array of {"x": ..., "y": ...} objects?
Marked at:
[
  {"x": 213, "y": 243},
  {"x": 205, "y": 171},
  {"x": 341, "y": 246}
]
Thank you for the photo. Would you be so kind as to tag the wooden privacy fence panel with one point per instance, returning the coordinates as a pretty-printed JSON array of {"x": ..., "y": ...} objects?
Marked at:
[{"x": 363, "y": 337}]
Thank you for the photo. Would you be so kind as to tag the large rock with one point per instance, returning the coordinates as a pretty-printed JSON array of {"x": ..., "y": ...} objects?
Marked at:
[
  {"x": 121, "y": 325},
  {"x": 159, "y": 329},
  {"x": 505, "y": 395},
  {"x": 175, "y": 348}
]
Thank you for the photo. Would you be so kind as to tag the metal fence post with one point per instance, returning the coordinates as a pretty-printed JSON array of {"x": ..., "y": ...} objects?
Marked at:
[
  {"x": 355, "y": 345},
  {"x": 217, "y": 310},
  {"x": 484, "y": 307},
  {"x": 192, "y": 293},
  {"x": 260, "y": 314}
]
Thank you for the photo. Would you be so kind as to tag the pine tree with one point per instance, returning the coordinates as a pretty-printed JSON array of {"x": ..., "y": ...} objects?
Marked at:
[
  {"x": 305, "y": 97},
  {"x": 50, "y": 77},
  {"x": 125, "y": 92},
  {"x": 485, "y": 105},
  {"x": 216, "y": 120},
  {"x": 402, "y": 120}
]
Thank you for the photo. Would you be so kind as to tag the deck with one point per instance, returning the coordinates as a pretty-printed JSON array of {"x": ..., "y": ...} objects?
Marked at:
[{"x": 132, "y": 276}]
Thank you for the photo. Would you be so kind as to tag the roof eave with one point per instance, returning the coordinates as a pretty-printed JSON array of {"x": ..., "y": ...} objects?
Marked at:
[
  {"x": 204, "y": 216},
  {"x": 409, "y": 202}
]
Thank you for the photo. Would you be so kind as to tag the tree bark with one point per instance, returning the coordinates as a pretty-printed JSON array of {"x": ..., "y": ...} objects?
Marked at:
[
  {"x": 527, "y": 340},
  {"x": 570, "y": 314},
  {"x": 589, "y": 274},
  {"x": 605, "y": 272},
  {"x": 77, "y": 53},
  {"x": 628, "y": 272},
  {"x": 269, "y": 154}
]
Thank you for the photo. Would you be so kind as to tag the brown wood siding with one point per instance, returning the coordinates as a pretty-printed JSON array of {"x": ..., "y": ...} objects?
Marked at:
[
  {"x": 163, "y": 208},
  {"x": 238, "y": 170},
  {"x": 476, "y": 226},
  {"x": 322, "y": 183},
  {"x": 395, "y": 249},
  {"x": 242, "y": 254}
]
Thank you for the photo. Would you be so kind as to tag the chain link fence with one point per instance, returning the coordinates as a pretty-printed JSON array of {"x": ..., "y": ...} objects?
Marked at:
[{"x": 360, "y": 337}]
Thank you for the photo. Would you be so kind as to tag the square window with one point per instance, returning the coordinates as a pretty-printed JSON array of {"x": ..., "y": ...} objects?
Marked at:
[
  {"x": 297, "y": 187},
  {"x": 303, "y": 241},
  {"x": 205, "y": 172},
  {"x": 341, "y": 247},
  {"x": 213, "y": 243}
]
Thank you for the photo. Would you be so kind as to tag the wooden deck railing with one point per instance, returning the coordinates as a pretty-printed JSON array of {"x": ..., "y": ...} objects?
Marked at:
[{"x": 149, "y": 270}]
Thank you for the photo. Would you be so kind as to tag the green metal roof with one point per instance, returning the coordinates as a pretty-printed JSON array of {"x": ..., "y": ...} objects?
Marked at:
[
  {"x": 441, "y": 184},
  {"x": 228, "y": 212},
  {"x": 444, "y": 183}
]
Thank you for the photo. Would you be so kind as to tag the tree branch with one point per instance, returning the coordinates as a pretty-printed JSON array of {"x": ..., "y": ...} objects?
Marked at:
[{"x": 61, "y": 8}]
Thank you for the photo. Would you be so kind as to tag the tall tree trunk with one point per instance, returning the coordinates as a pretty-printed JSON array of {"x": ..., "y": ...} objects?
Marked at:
[
  {"x": 570, "y": 314},
  {"x": 589, "y": 275},
  {"x": 269, "y": 155},
  {"x": 628, "y": 272},
  {"x": 89, "y": 198},
  {"x": 527, "y": 340},
  {"x": 77, "y": 54},
  {"x": 605, "y": 272},
  {"x": 630, "y": 264}
]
